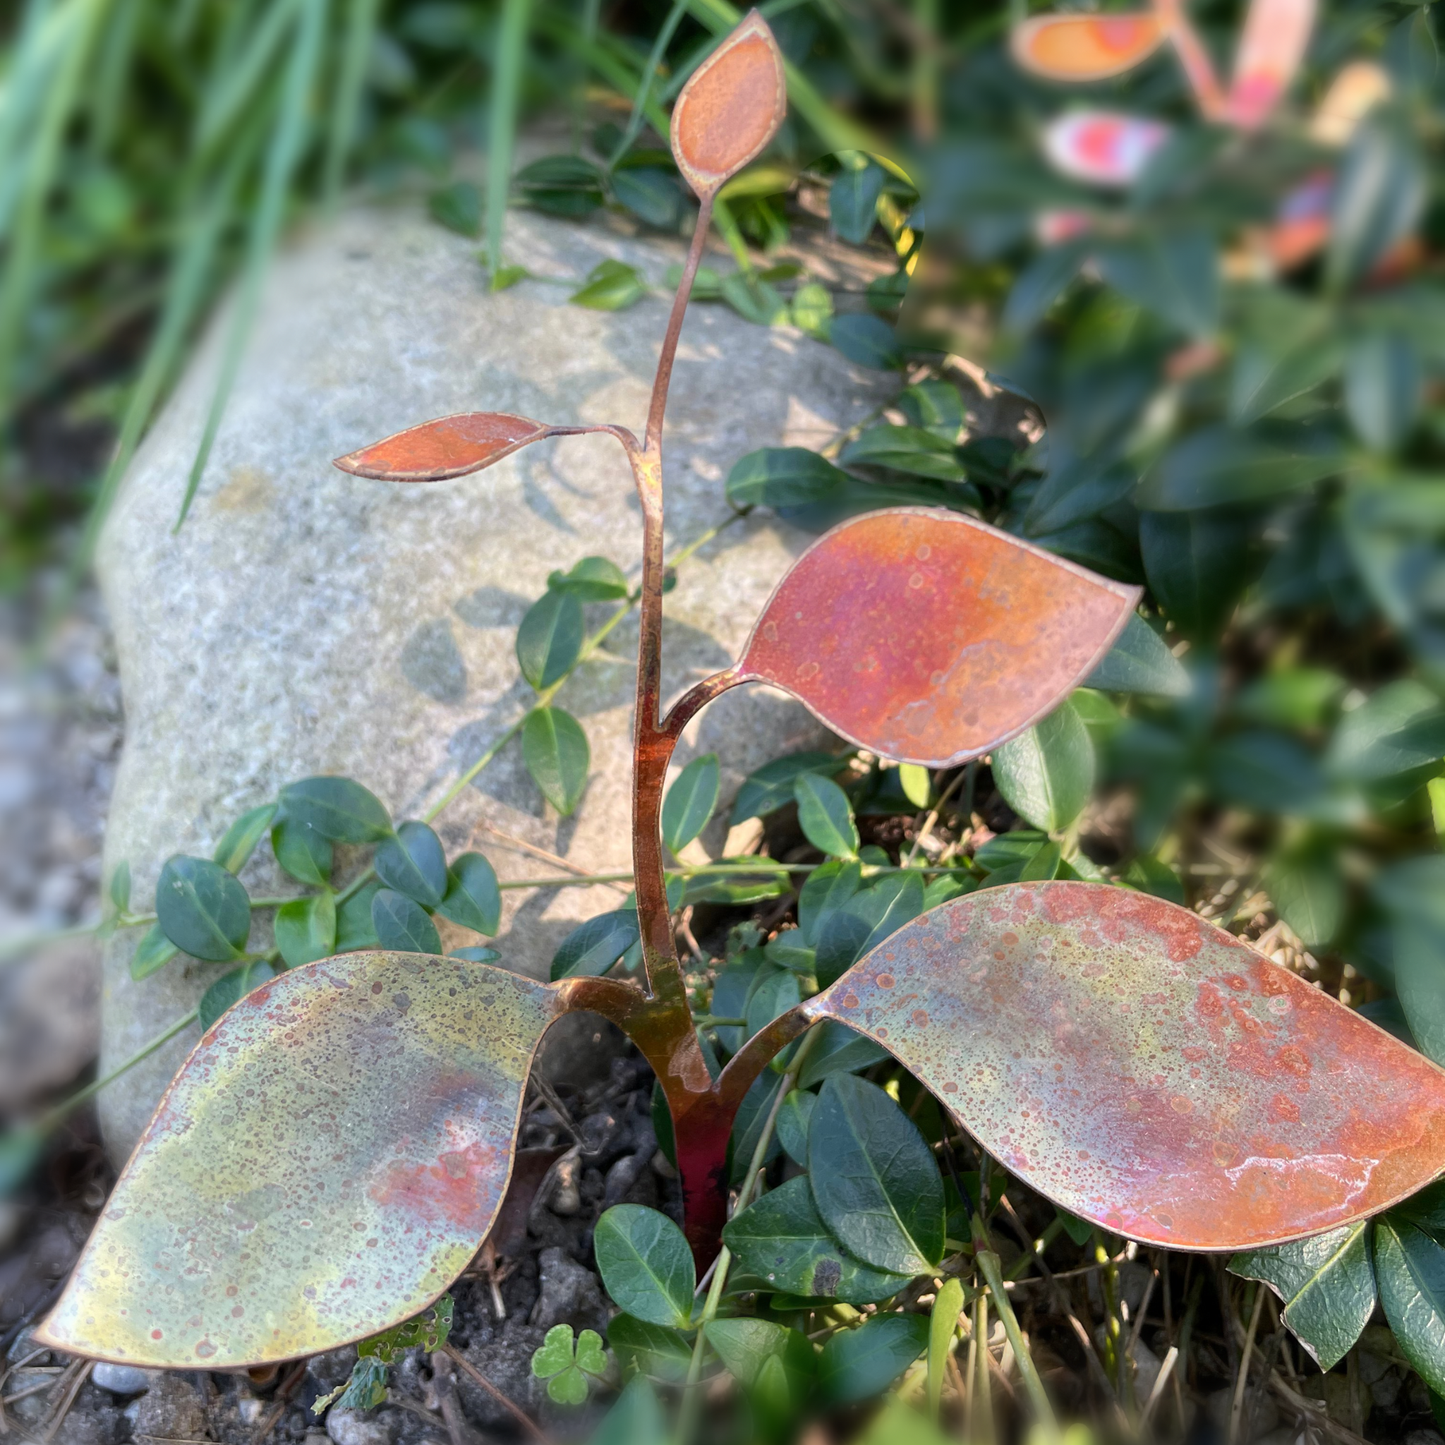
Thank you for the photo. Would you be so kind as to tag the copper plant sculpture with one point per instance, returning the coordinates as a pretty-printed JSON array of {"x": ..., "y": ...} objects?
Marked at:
[{"x": 337, "y": 1147}]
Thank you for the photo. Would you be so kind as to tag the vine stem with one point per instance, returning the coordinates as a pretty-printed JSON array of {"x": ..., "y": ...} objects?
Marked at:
[{"x": 687, "y": 1413}]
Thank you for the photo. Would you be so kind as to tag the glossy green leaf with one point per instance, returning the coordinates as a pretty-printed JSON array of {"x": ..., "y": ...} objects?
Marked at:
[
  {"x": 874, "y": 1178},
  {"x": 794, "y": 1114},
  {"x": 746, "y": 1345},
  {"x": 1197, "y": 564},
  {"x": 118, "y": 891},
  {"x": 1291, "y": 697},
  {"x": 1383, "y": 386},
  {"x": 784, "y": 477},
  {"x": 827, "y": 888},
  {"x": 1377, "y": 199},
  {"x": 1039, "y": 284},
  {"x": 1266, "y": 375},
  {"x": 337, "y": 808},
  {"x": 1308, "y": 892},
  {"x": 1174, "y": 275},
  {"x": 1265, "y": 771},
  {"x": 690, "y": 802},
  {"x": 402, "y": 925},
  {"x": 1327, "y": 1284},
  {"x": 917, "y": 783},
  {"x": 811, "y": 310},
  {"x": 754, "y": 299},
  {"x": 611, "y": 286},
  {"x": 935, "y": 406},
  {"x": 202, "y": 909},
  {"x": 771, "y": 787},
  {"x": 594, "y": 946},
  {"x": 1410, "y": 1274},
  {"x": 354, "y": 928},
  {"x": 873, "y": 913},
  {"x": 1149, "y": 875},
  {"x": 549, "y": 641},
  {"x": 458, "y": 207},
  {"x": 413, "y": 862},
  {"x": 853, "y": 201},
  {"x": 302, "y": 852},
  {"x": 1140, "y": 661},
  {"x": 650, "y": 193},
  {"x": 857, "y": 1364},
  {"x": 1047, "y": 773},
  {"x": 780, "y": 1243},
  {"x": 751, "y": 1119},
  {"x": 230, "y": 988},
  {"x": 656, "y": 1350},
  {"x": 560, "y": 186},
  {"x": 635, "y": 1418},
  {"x": 868, "y": 340},
  {"x": 1221, "y": 466},
  {"x": 1418, "y": 946},
  {"x": 942, "y": 1326},
  {"x": 593, "y": 579},
  {"x": 556, "y": 753},
  {"x": 825, "y": 815},
  {"x": 472, "y": 898},
  {"x": 306, "y": 929},
  {"x": 838, "y": 1050},
  {"x": 241, "y": 838},
  {"x": 1399, "y": 727},
  {"x": 153, "y": 952},
  {"x": 906, "y": 449},
  {"x": 477, "y": 954},
  {"x": 646, "y": 1264}
]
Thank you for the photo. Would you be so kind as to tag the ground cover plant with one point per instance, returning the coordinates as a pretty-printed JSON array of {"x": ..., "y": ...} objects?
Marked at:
[{"x": 875, "y": 1220}]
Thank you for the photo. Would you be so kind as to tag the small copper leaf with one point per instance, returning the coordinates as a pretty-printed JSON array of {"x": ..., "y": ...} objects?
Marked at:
[
  {"x": 929, "y": 637},
  {"x": 1276, "y": 34},
  {"x": 1146, "y": 1070},
  {"x": 325, "y": 1164},
  {"x": 731, "y": 107},
  {"x": 451, "y": 446},
  {"x": 1085, "y": 47}
]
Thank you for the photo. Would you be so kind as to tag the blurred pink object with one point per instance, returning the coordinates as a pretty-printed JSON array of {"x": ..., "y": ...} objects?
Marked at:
[
  {"x": 1102, "y": 147},
  {"x": 1055, "y": 227},
  {"x": 1276, "y": 33}
]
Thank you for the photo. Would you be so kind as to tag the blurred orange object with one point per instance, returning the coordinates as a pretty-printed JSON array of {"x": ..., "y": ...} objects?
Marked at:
[{"x": 1085, "y": 47}]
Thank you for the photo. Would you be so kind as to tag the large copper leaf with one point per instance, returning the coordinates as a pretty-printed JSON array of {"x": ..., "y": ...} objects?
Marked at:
[
  {"x": 451, "y": 446},
  {"x": 929, "y": 637},
  {"x": 731, "y": 107},
  {"x": 326, "y": 1162},
  {"x": 1146, "y": 1070},
  {"x": 1085, "y": 47}
]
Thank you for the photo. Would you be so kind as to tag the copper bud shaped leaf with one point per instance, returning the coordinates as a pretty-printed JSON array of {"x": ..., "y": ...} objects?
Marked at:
[
  {"x": 1146, "y": 1070},
  {"x": 451, "y": 446},
  {"x": 324, "y": 1165},
  {"x": 1276, "y": 35},
  {"x": 731, "y": 107},
  {"x": 1085, "y": 47},
  {"x": 929, "y": 637}
]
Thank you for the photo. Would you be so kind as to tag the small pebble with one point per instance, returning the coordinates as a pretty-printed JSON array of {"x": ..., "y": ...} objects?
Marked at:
[{"x": 121, "y": 1379}]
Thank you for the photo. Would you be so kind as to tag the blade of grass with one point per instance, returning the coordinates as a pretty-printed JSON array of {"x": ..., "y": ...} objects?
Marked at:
[
  {"x": 282, "y": 157},
  {"x": 610, "y": 61},
  {"x": 502, "y": 127},
  {"x": 361, "y": 17},
  {"x": 117, "y": 52},
  {"x": 37, "y": 48},
  {"x": 649, "y": 76},
  {"x": 247, "y": 73}
]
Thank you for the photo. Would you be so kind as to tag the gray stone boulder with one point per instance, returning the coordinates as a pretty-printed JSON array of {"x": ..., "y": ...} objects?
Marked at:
[{"x": 305, "y": 621}]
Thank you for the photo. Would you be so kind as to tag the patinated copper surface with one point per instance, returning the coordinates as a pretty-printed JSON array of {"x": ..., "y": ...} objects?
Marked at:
[
  {"x": 1276, "y": 33},
  {"x": 326, "y": 1162},
  {"x": 451, "y": 446},
  {"x": 731, "y": 107},
  {"x": 1146, "y": 1070},
  {"x": 1085, "y": 47},
  {"x": 929, "y": 637}
]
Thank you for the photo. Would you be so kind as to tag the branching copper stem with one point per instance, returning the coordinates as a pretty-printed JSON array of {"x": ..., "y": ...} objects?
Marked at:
[{"x": 1193, "y": 57}]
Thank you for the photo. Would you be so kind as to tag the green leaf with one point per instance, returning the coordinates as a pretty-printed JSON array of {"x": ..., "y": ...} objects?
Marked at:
[
  {"x": 825, "y": 815},
  {"x": 1047, "y": 773},
  {"x": 306, "y": 929},
  {"x": 635, "y": 1419},
  {"x": 1197, "y": 564},
  {"x": 917, "y": 783},
  {"x": 812, "y": 310},
  {"x": 857, "y": 1364},
  {"x": 413, "y": 862},
  {"x": 1265, "y": 377},
  {"x": 1041, "y": 283},
  {"x": 874, "y": 1178},
  {"x": 690, "y": 801},
  {"x": 1327, "y": 1284},
  {"x": 1309, "y": 894},
  {"x": 1410, "y": 1272},
  {"x": 784, "y": 477},
  {"x": 430, "y": 1330},
  {"x": 907, "y": 449},
  {"x": 153, "y": 952},
  {"x": 771, "y": 787},
  {"x": 1174, "y": 275},
  {"x": 337, "y": 808},
  {"x": 1291, "y": 697},
  {"x": 1140, "y": 661},
  {"x": 241, "y": 838},
  {"x": 935, "y": 406},
  {"x": 560, "y": 186},
  {"x": 942, "y": 1325},
  {"x": 1149, "y": 875},
  {"x": 119, "y": 890},
  {"x": 593, "y": 579},
  {"x": 1418, "y": 946},
  {"x": 354, "y": 928},
  {"x": 1265, "y": 772},
  {"x": 555, "y": 750},
  {"x": 827, "y": 888},
  {"x": 594, "y": 946},
  {"x": 1224, "y": 466},
  {"x": 302, "y": 852},
  {"x": 611, "y": 286},
  {"x": 505, "y": 277},
  {"x": 564, "y": 1371},
  {"x": 1398, "y": 728},
  {"x": 650, "y": 193},
  {"x": 780, "y": 1243},
  {"x": 458, "y": 207},
  {"x": 1383, "y": 386},
  {"x": 868, "y": 340},
  {"x": 230, "y": 988},
  {"x": 403, "y": 925},
  {"x": 549, "y": 641},
  {"x": 869, "y": 917},
  {"x": 646, "y": 1264},
  {"x": 365, "y": 1388},
  {"x": 839, "y": 1050},
  {"x": 1377, "y": 199},
  {"x": 650, "y": 1349},
  {"x": 746, "y": 1345},
  {"x": 472, "y": 897},
  {"x": 792, "y": 1125},
  {"x": 853, "y": 202},
  {"x": 202, "y": 909},
  {"x": 754, "y": 299},
  {"x": 477, "y": 954}
]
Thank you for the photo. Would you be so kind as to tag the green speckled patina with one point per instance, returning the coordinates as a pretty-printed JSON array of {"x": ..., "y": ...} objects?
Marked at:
[{"x": 325, "y": 1164}]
